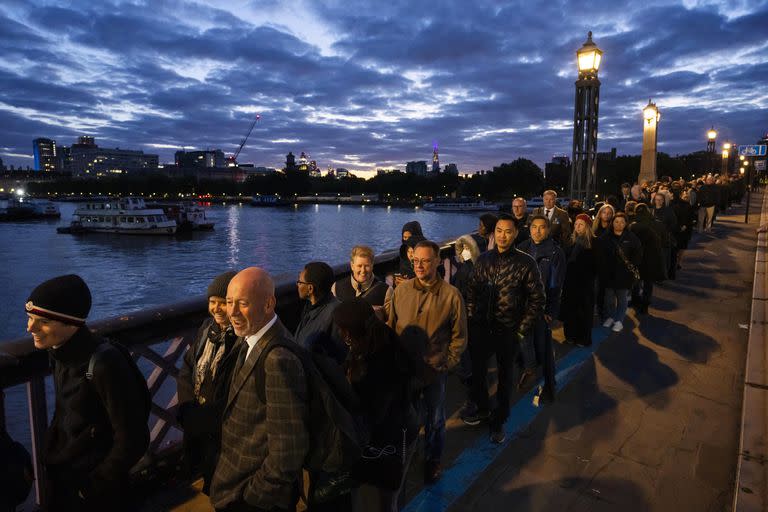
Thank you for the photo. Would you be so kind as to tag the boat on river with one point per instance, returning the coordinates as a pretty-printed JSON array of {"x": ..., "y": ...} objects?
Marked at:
[
  {"x": 45, "y": 209},
  {"x": 268, "y": 200},
  {"x": 124, "y": 216},
  {"x": 460, "y": 206},
  {"x": 188, "y": 216}
]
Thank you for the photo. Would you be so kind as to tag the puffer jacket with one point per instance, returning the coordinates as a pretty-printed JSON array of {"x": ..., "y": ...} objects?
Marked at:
[{"x": 505, "y": 290}]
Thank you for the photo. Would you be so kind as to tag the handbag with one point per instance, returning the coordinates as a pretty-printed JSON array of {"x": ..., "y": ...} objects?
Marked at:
[{"x": 630, "y": 266}]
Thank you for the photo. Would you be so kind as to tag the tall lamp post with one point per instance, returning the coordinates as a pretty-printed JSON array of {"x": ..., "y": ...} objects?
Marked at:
[
  {"x": 583, "y": 162},
  {"x": 651, "y": 118},
  {"x": 726, "y": 156},
  {"x": 711, "y": 139}
]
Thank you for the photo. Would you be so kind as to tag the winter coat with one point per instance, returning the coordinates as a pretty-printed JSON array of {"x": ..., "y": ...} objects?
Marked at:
[
  {"x": 99, "y": 430},
  {"x": 578, "y": 296},
  {"x": 666, "y": 215},
  {"x": 505, "y": 290},
  {"x": 316, "y": 324},
  {"x": 686, "y": 218},
  {"x": 612, "y": 270},
  {"x": 551, "y": 262},
  {"x": 651, "y": 266}
]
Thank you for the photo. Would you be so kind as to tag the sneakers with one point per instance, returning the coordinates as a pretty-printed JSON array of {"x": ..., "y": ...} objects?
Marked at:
[
  {"x": 433, "y": 470},
  {"x": 498, "y": 436},
  {"x": 475, "y": 416},
  {"x": 608, "y": 322},
  {"x": 617, "y": 327}
]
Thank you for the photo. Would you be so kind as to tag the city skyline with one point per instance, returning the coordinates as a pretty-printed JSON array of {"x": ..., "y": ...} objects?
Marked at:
[{"x": 366, "y": 86}]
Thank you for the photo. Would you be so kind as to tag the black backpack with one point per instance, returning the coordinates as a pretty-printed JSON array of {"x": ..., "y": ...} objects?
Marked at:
[
  {"x": 335, "y": 438},
  {"x": 16, "y": 472},
  {"x": 141, "y": 382}
]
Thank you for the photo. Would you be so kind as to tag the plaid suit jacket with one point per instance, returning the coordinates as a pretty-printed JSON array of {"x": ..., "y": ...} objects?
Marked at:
[{"x": 263, "y": 445}]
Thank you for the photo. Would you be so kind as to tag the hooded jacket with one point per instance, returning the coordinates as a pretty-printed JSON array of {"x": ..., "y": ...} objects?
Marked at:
[{"x": 550, "y": 259}]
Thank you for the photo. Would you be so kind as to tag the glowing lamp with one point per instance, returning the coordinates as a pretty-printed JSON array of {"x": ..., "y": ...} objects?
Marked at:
[
  {"x": 651, "y": 112},
  {"x": 725, "y": 153},
  {"x": 711, "y": 134},
  {"x": 741, "y": 170},
  {"x": 742, "y": 157},
  {"x": 589, "y": 56},
  {"x": 727, "y": 145}
]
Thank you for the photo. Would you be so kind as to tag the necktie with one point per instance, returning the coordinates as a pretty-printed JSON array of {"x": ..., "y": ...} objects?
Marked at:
[
  {"x": 548, "y": 213},
  {"x": 241, "y": 355},
  {"x": 359, "y": 288}
]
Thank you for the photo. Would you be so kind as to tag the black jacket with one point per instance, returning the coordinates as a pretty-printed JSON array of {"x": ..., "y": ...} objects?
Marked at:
[
  {"x": 99, "y": 430},
  {"x": 505, "y": 290},
  {"x": 613, "y": 272},
  {"x": 652, "y": 262},
  {"x": 550, "y": 259}
]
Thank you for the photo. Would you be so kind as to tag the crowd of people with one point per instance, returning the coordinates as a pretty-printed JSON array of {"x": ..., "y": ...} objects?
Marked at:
[{"x": 261, "y": 406}]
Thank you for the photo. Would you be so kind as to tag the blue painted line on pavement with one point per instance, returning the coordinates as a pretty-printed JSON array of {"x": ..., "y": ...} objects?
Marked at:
[{"x": 474, "y": 460}]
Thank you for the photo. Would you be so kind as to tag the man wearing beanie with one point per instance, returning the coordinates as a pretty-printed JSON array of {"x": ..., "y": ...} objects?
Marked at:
[
  {"x": 203, "y": 383},
  {"x": 99, "y": 429}
]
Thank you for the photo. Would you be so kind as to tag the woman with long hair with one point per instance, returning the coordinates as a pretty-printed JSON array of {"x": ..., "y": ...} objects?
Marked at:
[
  {"x": 602, "y": 222},
  {"x": 578, "y": 298},
  {"x": 379, "y": 371}
]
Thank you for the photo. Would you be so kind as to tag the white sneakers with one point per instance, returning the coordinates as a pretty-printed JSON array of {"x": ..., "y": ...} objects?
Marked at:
[
  {"x": 617, "y": 327},
  {"x": 608, "y": 322}
]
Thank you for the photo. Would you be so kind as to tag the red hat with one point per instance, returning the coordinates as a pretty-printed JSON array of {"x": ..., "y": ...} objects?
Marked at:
[{"x": 583, "y": 216}]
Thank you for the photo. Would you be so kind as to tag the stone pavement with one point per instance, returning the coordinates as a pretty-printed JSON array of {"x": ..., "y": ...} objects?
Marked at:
[{"x": 651, "y": 422}]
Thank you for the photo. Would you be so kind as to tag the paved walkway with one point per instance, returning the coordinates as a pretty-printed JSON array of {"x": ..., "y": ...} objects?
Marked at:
[{"x": 649, "y": 422}]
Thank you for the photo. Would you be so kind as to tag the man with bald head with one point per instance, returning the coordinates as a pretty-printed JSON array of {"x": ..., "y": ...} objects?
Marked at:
[{"x": 263, "y": 442}]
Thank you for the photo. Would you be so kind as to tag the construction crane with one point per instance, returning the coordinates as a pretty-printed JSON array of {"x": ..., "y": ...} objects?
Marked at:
[{"x": 232, "y": 160}]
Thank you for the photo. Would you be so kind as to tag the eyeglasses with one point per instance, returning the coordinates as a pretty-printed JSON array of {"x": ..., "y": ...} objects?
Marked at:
[
  {"x": 298, "y": 282},
  {"x": 425, "y": 261}
]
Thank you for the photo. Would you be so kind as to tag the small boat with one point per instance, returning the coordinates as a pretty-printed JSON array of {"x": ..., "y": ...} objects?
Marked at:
[
  {"x": 188, "y": 217},
  {"x": 45, "y": 209},
  {"x": 460, "y": 206},
  {"x": 125, "y": 216},
  {"x": 268, "y": 200},
  {"x": 12, "y": 208}
]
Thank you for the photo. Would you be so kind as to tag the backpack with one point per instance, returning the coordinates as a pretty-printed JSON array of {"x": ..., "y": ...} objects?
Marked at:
[
  {"x": 16, "y": 472},
  {"x": 335, "y": 439},
  {"x": 141, "y": 382}
]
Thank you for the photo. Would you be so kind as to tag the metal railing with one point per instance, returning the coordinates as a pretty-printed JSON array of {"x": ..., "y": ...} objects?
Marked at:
[{"x": 157, "y": 338}]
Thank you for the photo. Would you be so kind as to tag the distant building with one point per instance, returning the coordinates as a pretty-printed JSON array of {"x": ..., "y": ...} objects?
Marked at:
[
  {"x": 435, "y": 160},
  {"x": 380, "y": 172},
  {"x": 418, "y": 167},
  {"x": 44, "y": 151},
  {"x": 451, "y": 169},
  {"x": 207, "y": 158},
  {"x": 607, "y": 155},
  {"x": 88, "y": 159},
  {"x": 290, "y": 162},
  {"x": 303, "y": 162},
  {"x": 341, "y": 173}
]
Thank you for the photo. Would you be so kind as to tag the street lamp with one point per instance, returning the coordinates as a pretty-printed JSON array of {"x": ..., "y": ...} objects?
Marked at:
[
  {"x": 651, "y": 118},
  {"x": 726, "y": 156},
  {"x": 711, "y": 138},
  {"x": 584, "y": 157}
]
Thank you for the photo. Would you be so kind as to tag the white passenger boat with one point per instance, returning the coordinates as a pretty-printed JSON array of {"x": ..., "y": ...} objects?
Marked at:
[
  {"x": 125, "y": 216},
  {"x": 461, "y": 206}
]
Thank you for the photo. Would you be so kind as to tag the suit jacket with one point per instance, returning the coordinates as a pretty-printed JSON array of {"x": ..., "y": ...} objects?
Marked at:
[
  {"x": 263, "y": 445},
  {"x": 560, "y": 225}
]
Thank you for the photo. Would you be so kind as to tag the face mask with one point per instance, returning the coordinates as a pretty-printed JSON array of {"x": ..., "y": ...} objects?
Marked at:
[{"x": 466, "y": 255}]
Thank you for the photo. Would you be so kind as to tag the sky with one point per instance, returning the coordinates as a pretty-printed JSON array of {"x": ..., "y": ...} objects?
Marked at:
[{"x": 373, "y": 84}]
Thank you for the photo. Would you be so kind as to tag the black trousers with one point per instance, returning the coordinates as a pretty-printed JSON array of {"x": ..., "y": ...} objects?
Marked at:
[{"x": 503, "y": 344}]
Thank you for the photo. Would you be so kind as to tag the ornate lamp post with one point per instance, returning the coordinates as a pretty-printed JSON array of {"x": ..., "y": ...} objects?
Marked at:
[
  {"x": 583, "y": 166},
  {"x": 651, "y": 118},
  {"x": 726, "y": 156},
  {"x": 711, "y": 138}
]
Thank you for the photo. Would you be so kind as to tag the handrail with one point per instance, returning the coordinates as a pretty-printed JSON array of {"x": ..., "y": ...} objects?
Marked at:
[{"x": 157, "y": 338}]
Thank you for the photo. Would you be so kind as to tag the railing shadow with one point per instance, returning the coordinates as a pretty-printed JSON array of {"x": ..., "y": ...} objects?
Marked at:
[{"x": 692, "y": 345}]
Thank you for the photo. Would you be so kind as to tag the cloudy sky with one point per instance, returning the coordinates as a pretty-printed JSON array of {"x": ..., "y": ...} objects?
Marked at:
[{"x": 375, "y": 83}]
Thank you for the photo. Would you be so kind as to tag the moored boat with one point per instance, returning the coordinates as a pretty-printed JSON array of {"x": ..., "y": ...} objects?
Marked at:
[
  {"x": 125, "y": 216},
  {"x": 188, "y": 217},
  {"x": 268, "y": 200},
  {"x": 460, "y": 206}
]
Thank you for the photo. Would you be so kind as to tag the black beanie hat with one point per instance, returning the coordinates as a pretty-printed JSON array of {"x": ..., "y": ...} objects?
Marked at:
[
  {"x": 64, "y": 298},
  {"x": 218, "y": 287}
]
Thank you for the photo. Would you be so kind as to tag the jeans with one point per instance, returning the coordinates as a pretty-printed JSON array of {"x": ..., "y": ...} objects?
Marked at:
[
  {"x": 433, "y": 412},
  {"x": 545, "y": 354},
  {"x": 529, "y": 353},
  {"x": 501, "y": 343},
  {"x": 616, "y": 301}
]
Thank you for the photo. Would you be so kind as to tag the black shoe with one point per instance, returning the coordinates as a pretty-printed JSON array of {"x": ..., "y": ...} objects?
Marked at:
[
  {"x": 526, "y": 378},
  {"x": 498, "y": 436},
  {"x": 581, "y": 343},
  {"x": 475, "y": 418},
  {"x": 432, "y": 471}
]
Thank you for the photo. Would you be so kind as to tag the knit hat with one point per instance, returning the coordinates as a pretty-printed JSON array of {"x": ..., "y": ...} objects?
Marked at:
[
  {"x": 66, "y": 299},
  {"x": 218, "y": 287},
  {"x": 584, "y": 217}
]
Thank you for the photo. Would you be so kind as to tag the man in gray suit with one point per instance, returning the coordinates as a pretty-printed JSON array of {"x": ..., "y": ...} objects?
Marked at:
[
  {"x": 263, "y": 445},
  {"x": 559, "y": 221}
]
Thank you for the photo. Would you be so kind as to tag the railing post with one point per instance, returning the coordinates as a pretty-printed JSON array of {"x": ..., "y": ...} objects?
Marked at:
[{"x": 38, "y": 421}]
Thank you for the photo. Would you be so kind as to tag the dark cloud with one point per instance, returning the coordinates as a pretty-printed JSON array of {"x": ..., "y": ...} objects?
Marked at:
[{"x": 376, "y": 81}]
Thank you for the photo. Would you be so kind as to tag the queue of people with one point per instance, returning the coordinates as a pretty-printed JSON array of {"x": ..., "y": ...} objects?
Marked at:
[{"x": 378, "y": 352}]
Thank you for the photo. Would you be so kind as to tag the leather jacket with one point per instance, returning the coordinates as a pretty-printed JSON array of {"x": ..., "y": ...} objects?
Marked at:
[{"x": 505, "y": 290}]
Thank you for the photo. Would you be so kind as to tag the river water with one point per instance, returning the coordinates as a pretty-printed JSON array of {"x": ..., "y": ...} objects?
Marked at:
[{"x": 127, "y": 273}]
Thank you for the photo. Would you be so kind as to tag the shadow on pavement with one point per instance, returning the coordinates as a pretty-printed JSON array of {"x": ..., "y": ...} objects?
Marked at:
[{"x": 693, "y": 345}]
